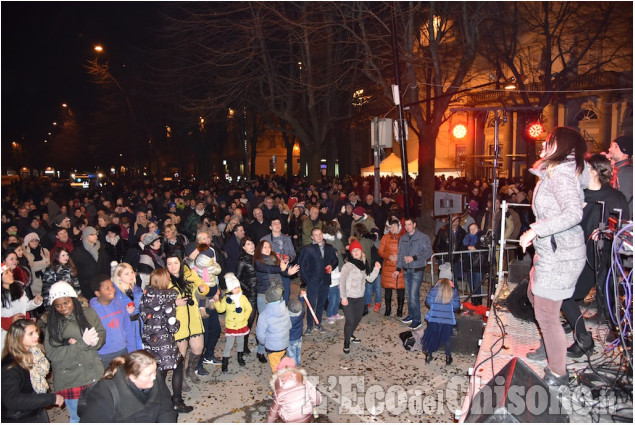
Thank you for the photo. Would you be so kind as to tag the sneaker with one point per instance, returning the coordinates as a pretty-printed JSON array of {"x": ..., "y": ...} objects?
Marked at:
[
  {"x": 377, "y": 307},
  {"x": 308, "y": 331},
  {"x": 415, "y": 325},
  {"x": 355, "y": 340},
  {"x": 407, "y": 319},
  {"x": 337, "y": 317},
  {"x": 320, "y": 329},
  {"x": 213, "y": 361},
  {"x": 201, "y": 371},
  {"x": 346, "y": 349},
  {"x": 330, "y": 320}
]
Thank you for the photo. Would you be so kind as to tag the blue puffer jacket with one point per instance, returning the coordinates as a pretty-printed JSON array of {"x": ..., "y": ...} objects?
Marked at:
[
  {"x": 439, "y": 312},
  {"x": 273, "y": 326}
]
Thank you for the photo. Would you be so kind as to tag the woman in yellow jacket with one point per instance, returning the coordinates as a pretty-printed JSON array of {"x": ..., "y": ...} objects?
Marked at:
[
  {"x": 187, "y": 283},
  {"x": 237, "y": 310}
]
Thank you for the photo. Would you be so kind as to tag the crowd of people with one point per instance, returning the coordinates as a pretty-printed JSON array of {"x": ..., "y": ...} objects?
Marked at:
[{"x": 131, "y": 279}]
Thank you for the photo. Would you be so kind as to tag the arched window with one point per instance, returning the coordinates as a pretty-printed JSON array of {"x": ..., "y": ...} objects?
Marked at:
[{"x": 586, "y": 115}]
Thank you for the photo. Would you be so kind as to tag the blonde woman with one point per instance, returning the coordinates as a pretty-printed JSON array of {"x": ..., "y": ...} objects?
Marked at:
[{"x": 126, "y": 290}]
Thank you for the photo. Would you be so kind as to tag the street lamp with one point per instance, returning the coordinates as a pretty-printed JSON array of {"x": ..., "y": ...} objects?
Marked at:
[{"x": 99, "y": 48}]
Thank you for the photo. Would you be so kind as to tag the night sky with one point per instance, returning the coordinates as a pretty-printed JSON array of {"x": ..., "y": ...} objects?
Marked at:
[{"x": 44, "y": 48}]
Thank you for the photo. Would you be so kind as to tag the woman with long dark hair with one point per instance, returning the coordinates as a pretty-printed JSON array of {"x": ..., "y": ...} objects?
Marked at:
[
  {"x": 61, "y": 268},
  {"x": 268, "y": 273},
  {"x": 15, "y": 303},
  {"x": 187, "y": 283},
  {"x": 24, "y": 368},
  {"x": 558, "y": 240},
  {"x": 600, "y": 202},
  {"x": 73, "y": 336}
]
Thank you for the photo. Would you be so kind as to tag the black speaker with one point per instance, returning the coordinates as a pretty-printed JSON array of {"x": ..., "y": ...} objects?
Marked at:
[
  {"x": 468, "y": 330},
  {"x": 518, "y": 270},
  {"x": 446, "y": 203},
  {"x": 516, "y": 394},
  {"x": 518, "y": 302}
]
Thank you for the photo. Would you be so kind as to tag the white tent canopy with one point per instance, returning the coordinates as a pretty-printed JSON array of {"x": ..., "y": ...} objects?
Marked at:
[{"x": 391, "y": 166}]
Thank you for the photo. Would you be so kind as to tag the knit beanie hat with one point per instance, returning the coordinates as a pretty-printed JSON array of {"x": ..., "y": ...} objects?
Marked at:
[
  {"x": 273, "y": 294},
  {"x": 626, "y": 144},
  {"x": 445, "y": 271},
  {"x": 148, "y": 238},
  {"x": 295, "y": 306},
  {"x": 231, "y": 281},
  {"x": 360, "y": 211},
  {"x": 355, "y": 245},
  {"x": 285, "y": 363},
  {"x": 61, "y": 289},
  {"x": 88, "y": 230}
]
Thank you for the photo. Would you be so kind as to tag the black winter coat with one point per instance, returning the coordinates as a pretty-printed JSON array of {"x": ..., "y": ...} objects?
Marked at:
[
  {"x": 87, "y": 267},
  {"x": 441, "y": 242},
  {"x": 100, "y": 406},
  {"x": 20, "y": 403},
  {"x": 246, "y": 274}
]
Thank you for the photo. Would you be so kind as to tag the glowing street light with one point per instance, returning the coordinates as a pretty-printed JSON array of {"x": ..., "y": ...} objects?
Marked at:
[
  {"x": 99, "y": 48},
  {"x": 459, "y": 131}
]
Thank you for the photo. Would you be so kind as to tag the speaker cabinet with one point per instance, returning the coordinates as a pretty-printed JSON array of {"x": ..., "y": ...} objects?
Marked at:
[
  {"x": 516, "y": 395},
  {"x": 468, "y": 330},
  {"x": 518, "y": 302}
]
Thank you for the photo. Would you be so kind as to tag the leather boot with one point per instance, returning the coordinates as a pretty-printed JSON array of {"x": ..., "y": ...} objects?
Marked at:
[
  {"x": 539, "y": 353},
  {"x": 448, "y": 360},
  {"x": 581, "y": 346},
  {"x": 241, "y": 362},
  {"x": 388, "y": 302},
  {"x": 246, "y": 350},
  {"x": 400, "y": 301},
  {"x": 365, "y": 310},
  {"x": 190, "y": 371},
  {"x": 225, "y": 364},
  {"x": 179, "y": 405}
]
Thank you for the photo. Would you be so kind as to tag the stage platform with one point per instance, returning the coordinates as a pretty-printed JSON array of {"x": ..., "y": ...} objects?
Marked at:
[{"x": 506, "y": 337}]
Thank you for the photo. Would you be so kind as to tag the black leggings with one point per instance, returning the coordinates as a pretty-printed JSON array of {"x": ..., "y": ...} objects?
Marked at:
[
  {"x": 177, "y": 378},
  {"x": 353, "y": 314}
]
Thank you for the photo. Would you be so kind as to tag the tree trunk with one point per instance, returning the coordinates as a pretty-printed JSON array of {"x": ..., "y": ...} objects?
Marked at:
[{"x": 427, "y": 151}]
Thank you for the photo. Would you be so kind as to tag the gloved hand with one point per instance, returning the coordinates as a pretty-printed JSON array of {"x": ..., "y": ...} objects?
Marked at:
[
  {"x": 228, "y": 299},
  {"x": 90, "y": 337},
  {"x": 239, "y": 309}
]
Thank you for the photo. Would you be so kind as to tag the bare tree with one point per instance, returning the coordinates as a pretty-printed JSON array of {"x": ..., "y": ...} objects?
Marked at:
[
  {"x": 438, "y": 42},
  {"x": 291, "y": 56},
  {"x": 548, "y": 46}
]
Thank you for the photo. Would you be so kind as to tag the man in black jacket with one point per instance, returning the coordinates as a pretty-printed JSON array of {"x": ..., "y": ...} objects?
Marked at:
[
  {"x": 317, "y": 260},
  {"x": 91, "y": 259}
]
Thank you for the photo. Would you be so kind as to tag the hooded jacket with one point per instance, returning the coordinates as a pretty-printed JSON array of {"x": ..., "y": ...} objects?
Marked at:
[
  {"x": 294, "y": 396},
  {"x": 274, "y": 324},
  {"x": 560, "y": 250}
]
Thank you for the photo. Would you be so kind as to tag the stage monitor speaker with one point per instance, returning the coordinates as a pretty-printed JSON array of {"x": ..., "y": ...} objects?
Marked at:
[
  {"x": 516, "y": 395},
  {"x": 518, "y": 302},
  {"x": 446, "y": 203},
  {"x": 468, "y": 330},
  {"x": 518, "y": 270}
]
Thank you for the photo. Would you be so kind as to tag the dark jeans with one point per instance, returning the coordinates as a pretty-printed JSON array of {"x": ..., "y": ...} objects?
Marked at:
[
  {"x": 353, "y": 313},
  {"x": 286, "y": 285},
  {"x": 317, "y": 296},
  {"x": 212, "y": 334}
]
